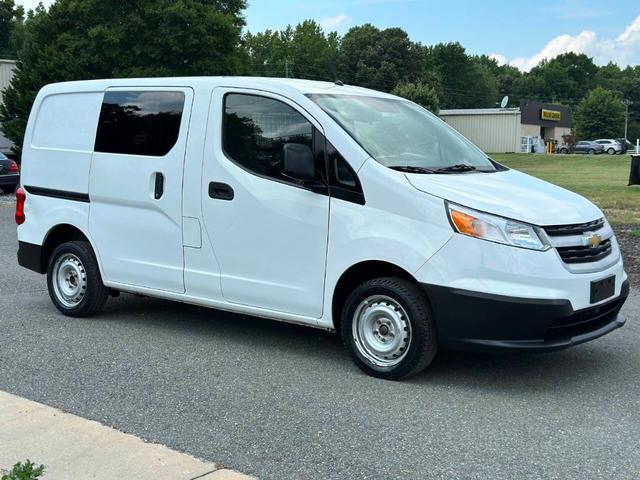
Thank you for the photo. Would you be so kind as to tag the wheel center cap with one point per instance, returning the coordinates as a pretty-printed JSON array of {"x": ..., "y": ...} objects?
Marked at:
[{"x": 384, "y": 330}]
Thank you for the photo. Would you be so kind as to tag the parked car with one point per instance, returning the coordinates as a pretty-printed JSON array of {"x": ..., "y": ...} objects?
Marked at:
[
  {"x": 612, "y": 147},
  {"x": 6, "y": 145},
  {"x": 589, "y": 147},
  {"x": 315, "y": 203},
  {"x": 626, "y": 145},
  {"x": 9, "y": 174}
]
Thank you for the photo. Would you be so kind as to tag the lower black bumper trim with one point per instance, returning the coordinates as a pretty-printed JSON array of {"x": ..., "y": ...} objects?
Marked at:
[
  {"x": 30, "y": 256},
  {"x": 478, "y": 321}
]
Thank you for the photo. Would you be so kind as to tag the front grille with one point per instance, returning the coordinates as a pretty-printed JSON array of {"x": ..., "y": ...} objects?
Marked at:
[
  {"x": 571, "y": 242},
  {"x": 585, "y": 254},
  {"x": 578, "y": 229}
]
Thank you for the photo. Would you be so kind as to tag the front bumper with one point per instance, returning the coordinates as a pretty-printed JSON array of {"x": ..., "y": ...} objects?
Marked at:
[{"x": 478, "y": 321}]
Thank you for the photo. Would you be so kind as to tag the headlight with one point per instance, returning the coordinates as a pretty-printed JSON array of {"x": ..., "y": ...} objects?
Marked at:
[{"x": 496, "y": 229}]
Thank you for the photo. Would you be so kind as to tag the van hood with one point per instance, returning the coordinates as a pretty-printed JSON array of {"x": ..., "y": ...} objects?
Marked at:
[{"x": 510, "y": 194}]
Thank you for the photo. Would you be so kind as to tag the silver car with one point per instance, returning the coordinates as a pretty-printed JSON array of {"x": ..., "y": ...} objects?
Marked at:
[{"x": 612, "y": 147}]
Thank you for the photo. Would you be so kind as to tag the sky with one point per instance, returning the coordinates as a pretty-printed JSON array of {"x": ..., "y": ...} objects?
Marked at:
[{"x": 520, "y": 33}]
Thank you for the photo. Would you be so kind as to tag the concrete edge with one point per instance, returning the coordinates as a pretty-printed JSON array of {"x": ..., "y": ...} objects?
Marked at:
[{"x": 74, "y": 447}]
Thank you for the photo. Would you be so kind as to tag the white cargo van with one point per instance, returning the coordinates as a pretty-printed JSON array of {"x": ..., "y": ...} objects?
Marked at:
[{"x": 315, "y": 203}]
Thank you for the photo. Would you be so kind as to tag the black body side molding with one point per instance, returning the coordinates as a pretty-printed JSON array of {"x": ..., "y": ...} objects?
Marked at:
[{"x": 62, "y": 194}]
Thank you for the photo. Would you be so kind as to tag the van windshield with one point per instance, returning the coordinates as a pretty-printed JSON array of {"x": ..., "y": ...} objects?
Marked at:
[{"x": 404, "y": 136}]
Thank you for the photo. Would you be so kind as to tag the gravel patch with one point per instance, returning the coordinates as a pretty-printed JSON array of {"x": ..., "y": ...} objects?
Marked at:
[{"x": 629, "y": 239}]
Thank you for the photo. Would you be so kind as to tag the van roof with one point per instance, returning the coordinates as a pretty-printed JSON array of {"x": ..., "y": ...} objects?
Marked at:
[{"x": 258, "y": 83}]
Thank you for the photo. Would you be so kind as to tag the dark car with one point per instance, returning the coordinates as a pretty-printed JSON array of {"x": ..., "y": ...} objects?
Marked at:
[
  {"x": 589, "y": 147},
  {"x": 9, "y": 174}
]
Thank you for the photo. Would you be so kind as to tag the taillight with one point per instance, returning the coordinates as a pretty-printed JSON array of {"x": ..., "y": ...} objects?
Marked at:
[
  {"x": 13, "y": 167},
  {"x": 20, "y": 198}
]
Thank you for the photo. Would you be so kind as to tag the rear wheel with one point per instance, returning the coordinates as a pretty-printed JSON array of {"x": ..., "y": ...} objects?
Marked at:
[
  {"x": 388, "y": 328},
  {"x": 74, "y": 281}
]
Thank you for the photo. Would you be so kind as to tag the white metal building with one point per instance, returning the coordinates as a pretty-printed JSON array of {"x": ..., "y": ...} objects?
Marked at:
[
  {"x": 505, "y": 130},
  {"x": 491, "y": 129},
  {"x": 6, "y": 72}
]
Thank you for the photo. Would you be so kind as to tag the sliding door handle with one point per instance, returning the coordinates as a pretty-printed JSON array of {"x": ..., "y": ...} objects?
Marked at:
[
  {"x": 159, "y": 186},
  {"x": 220, "y": 191}
]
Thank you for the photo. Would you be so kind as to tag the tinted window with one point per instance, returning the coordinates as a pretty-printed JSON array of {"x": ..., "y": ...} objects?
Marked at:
[
  {"x": 139, "y": 123},
  {"x": 256, "y": 129},
  {"x": 342, "y": 179}
]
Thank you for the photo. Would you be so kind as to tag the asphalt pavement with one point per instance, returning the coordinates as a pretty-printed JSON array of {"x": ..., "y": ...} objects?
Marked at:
[{"x": 281, "y": 401}]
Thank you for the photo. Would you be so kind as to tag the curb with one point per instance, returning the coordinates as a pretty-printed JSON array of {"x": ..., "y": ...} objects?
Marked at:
[{"x": 72, "y": 447}]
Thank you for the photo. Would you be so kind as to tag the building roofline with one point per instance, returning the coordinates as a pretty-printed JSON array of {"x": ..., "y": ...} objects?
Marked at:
[{"x": 480, "y": 111}]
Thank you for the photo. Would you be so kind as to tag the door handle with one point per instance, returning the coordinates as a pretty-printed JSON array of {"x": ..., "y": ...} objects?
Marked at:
[
  {"x": 159, "y": 186},
  {"x": 221, "y": 191}
]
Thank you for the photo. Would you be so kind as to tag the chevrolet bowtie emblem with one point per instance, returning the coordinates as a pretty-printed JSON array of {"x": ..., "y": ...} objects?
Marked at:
[{"x": 592, "y": 241}]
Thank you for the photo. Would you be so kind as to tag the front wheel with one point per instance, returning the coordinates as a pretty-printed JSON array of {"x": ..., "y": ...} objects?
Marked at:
[
  {"x": 592, "y": 152},
  {"x": 388, "y": 328},
  {"x": 74, "y": 281},
  {"x": 611, "y": 151}
]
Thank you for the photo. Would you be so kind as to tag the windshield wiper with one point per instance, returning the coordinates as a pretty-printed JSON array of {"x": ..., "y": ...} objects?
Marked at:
[
  {"x": 412, "y": 169},
  {"x": 460, "y": 167}
]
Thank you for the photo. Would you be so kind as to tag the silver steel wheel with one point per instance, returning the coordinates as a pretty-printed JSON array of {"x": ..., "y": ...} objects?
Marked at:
[
  {"x": 69, "y": 280},
  {"x": 381, "y": 330}
]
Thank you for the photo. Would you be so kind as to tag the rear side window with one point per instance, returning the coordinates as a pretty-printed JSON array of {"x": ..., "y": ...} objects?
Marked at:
[
  {"x": 255, "y": 130},
  {"x": 139, "y": 122}
]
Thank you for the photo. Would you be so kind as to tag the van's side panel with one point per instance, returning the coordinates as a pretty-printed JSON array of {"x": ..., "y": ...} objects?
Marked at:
[
  {"x": 201, "y": 269},
  {"x": 60, "y": 142},
  {"x": 139, "y": 236},
  {"x": 394, "y": 226}
]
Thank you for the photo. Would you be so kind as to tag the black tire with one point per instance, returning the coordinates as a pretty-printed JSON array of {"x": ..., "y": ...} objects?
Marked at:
[
  {"x": 611, "y": 151},
  {"x": 564, "y": 151},
  {"x": 94, "y": 294},
  {"x": 422, "y": 344},
  {"x": 592, "y": 151}
]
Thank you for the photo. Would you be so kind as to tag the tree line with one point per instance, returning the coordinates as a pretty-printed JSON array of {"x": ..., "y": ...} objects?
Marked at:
[{"x": 85, "y": 39}]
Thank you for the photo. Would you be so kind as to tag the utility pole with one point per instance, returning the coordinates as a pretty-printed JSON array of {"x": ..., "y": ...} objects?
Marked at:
[{"x": 627, "y": 103}]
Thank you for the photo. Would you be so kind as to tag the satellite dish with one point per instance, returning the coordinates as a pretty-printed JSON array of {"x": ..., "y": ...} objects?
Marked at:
[{"x": 504, "y": 102}]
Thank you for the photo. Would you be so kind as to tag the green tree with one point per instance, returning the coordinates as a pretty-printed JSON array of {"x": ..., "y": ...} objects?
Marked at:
[
  {"x": 84, "y": 39},
  {"x": 465, "y": 81},
  {"x": 599, "y": 115},
  {"x": 301, "y": 52},
  {"x": 419, "y": 93},
  {"x": 507, "y": 77},
  {"x": 11, "y": 28},
  {"x": 378, "y": 59},
  {"x": 566, "y": 79}
]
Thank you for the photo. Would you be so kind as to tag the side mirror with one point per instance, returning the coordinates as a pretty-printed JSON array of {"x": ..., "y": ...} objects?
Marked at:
[{"x": 298, "y": 162}]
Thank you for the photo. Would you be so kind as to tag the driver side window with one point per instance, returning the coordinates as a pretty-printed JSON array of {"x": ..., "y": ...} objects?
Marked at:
[{"x": 256, "y": 129}]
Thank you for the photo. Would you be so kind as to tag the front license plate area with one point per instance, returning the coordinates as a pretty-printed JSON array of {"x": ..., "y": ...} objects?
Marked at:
[{"x": 602, "y": 289}]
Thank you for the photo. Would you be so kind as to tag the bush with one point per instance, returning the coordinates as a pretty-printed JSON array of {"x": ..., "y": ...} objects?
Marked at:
[
  {"x": 24, "y": 471},
  {"x": 599, "y": 115}
]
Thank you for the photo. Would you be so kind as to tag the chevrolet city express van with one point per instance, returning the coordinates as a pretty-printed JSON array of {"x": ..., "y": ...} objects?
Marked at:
[{"x": 315, "y": 203}]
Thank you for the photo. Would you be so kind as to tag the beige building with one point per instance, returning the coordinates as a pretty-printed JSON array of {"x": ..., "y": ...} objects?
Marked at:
[
  {"x": 505, "y": 130},
  {"x": 6, "y": 72}
]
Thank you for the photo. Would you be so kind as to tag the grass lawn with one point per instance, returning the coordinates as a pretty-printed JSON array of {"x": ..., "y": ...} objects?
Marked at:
[{"x": 602, "y": 179}]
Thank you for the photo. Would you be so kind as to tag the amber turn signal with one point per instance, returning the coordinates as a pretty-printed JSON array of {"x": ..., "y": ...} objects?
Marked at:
[{"x": 467, "y": 224}]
